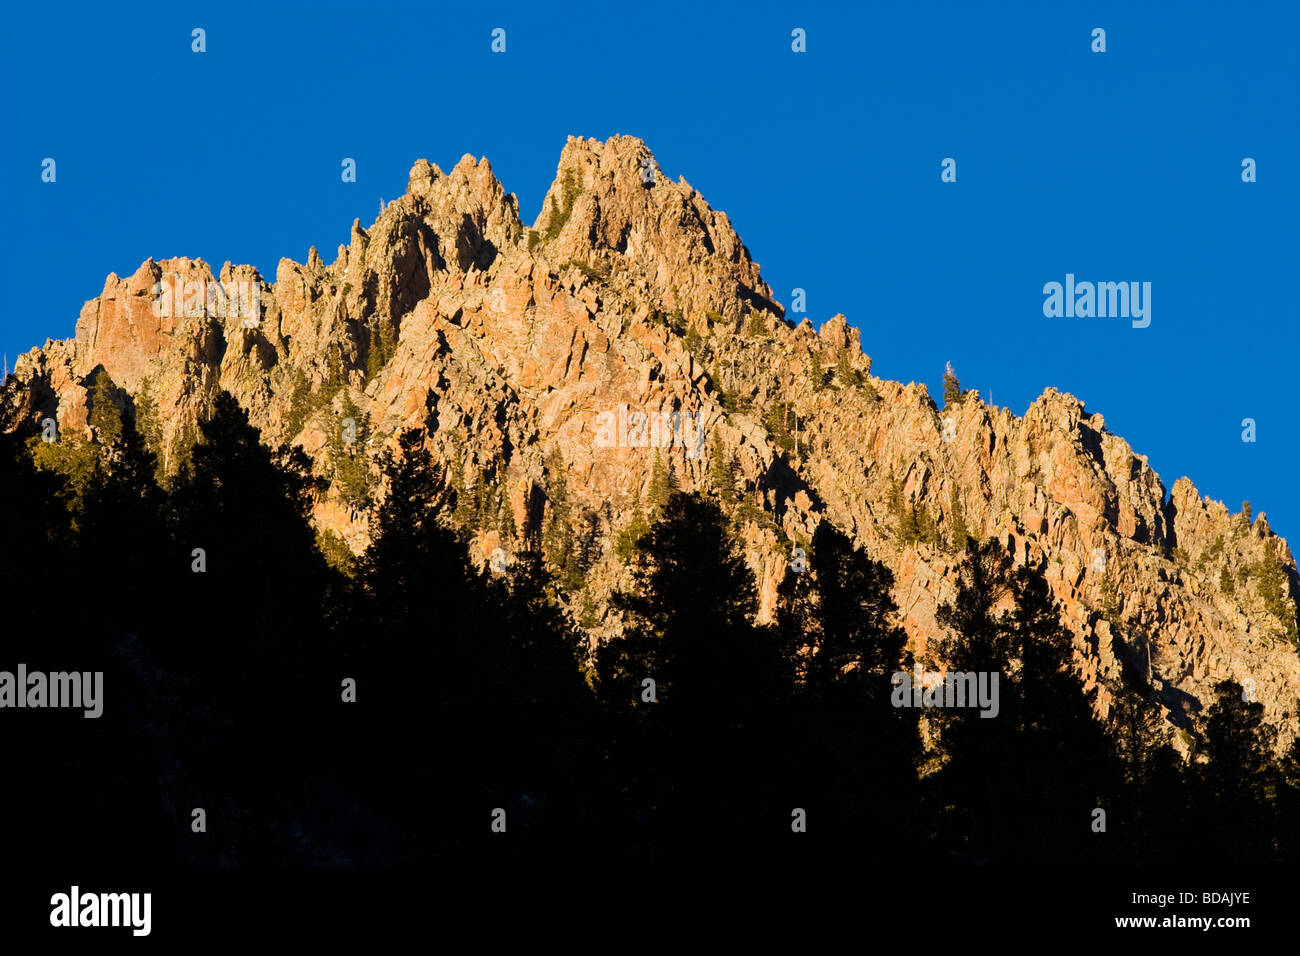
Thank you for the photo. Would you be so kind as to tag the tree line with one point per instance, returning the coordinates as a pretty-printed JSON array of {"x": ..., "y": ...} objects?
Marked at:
[{"x": 424, "y": 709}]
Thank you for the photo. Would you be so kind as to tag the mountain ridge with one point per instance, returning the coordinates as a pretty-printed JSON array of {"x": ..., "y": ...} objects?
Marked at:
[{"x": 630, "y": 294}]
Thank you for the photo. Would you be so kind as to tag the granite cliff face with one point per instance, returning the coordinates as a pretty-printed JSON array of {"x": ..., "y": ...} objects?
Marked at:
[{"x": 530, "y": 356}]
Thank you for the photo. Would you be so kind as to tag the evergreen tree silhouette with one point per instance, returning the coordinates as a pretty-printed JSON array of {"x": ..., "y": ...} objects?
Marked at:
[
  {"x": 540, "y": 714},
  {"x": 122, "y": 550},
  {"x": 1288, "y": 806},
  {"x": 35, "y": 527},
  {"x": 1150, "y": 812},
  {"x": 698, "y": 761},
  {"x": 421, "y": 654},
  {"x": 1238, "y": 783},
  {"x": 1021, "y": 786},
  {"x": 248, "y": 632},
  {"x": 483, "y": 672},
  {"x": 104, "y": 415},
  {"x": 124, "y": 514},
  {"x": 70, "y": 593},
  {"x": 858, "y": 754}
]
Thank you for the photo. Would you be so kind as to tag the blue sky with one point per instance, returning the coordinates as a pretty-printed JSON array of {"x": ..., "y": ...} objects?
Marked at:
[{"x": 1115, "y": 166}]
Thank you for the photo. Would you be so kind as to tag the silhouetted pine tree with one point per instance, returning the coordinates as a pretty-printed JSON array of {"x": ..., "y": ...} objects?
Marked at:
[
  {"x": 698, "y": 761},
  {"x": 71, "y": 599},
  {"x": 857, "y": 755},
  {"x": 247, "y": 632},
  {"x": 1019, "y": 787},
  {"x": 1236, "y": 787},
  {"x": 124, "y": 512},
  {"x": 540, "y": 714},
  {"x": 1288, "y": 806},
  {"x": 1149, "y": 812},
  {"x": 421, "y": 654},
  {"x": 104, "y": 416}
]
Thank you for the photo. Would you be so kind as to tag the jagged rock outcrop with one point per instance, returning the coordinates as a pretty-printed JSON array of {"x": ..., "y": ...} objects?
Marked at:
[{"x": 540, "y": 359}]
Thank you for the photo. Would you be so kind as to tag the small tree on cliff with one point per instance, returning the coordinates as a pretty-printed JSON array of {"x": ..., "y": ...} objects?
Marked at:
[
  {"x": 722, "y": 471},
  {"x": 951, "y": 386}
]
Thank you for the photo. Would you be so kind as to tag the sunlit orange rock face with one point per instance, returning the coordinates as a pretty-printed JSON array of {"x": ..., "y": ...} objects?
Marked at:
[{"x": 515, "y": 348}]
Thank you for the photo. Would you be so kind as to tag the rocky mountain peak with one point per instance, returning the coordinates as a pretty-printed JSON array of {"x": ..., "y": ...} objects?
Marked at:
[
  {"x": 612, "y": 207},
  {"x": 546, "y": 365}
]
